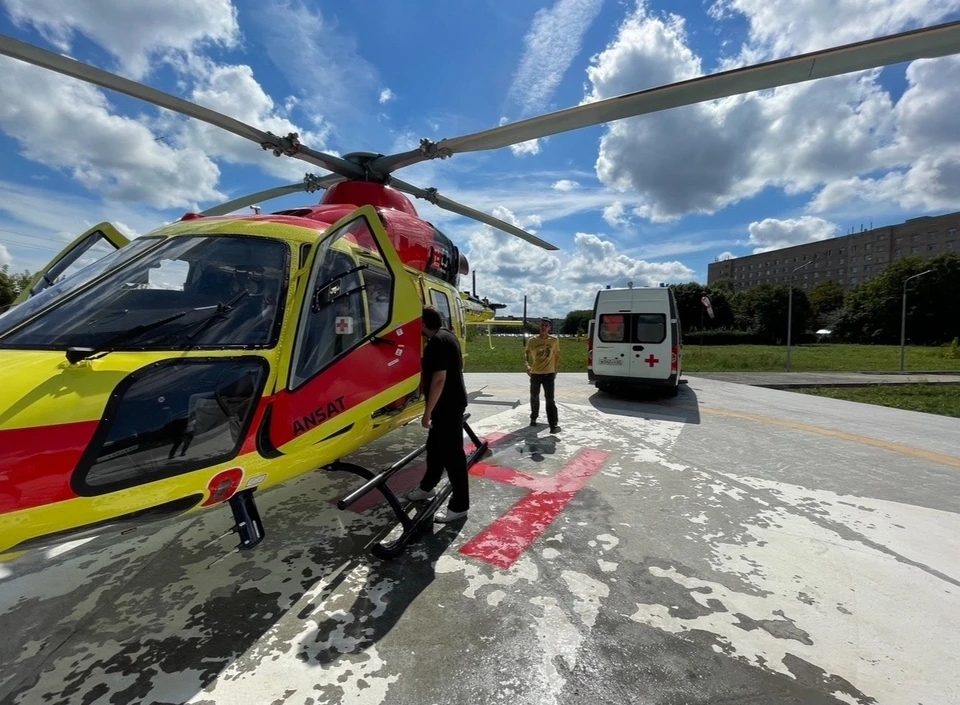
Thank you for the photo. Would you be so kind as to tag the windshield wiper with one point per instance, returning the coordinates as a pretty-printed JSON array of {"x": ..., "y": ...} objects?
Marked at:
[
  {"x": 75, "y": 354},
  {"x": 221, "y": 309}
]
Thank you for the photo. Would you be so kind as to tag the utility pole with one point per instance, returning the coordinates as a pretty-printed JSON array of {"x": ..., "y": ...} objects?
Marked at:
[
  {"x": 790, "y": 308},
  {"x": 903, "y": 315}
]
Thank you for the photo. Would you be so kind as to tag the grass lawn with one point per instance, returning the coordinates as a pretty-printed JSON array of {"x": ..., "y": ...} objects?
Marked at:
[
  {"x": 508, "y": 357},
  {"x": 943, "y": 399}
]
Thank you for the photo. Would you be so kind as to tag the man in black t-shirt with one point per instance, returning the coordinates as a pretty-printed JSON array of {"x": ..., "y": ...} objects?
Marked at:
[{"x": 446, "y": 395}]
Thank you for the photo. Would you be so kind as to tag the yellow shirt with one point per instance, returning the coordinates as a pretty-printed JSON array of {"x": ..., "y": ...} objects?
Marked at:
[{"x": 543, "y": 355}]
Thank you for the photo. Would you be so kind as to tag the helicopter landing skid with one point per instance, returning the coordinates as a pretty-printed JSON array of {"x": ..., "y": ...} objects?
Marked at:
[
  {"x": 246, "y": 524},
  {"x": 422, "y": 516}
]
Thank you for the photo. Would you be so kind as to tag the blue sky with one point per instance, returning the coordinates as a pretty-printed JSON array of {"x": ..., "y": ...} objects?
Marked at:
[{"x": 649, "y": 199}]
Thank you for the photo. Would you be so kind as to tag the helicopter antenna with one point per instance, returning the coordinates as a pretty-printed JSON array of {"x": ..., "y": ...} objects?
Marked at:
[{"x": 256, "y": 209}]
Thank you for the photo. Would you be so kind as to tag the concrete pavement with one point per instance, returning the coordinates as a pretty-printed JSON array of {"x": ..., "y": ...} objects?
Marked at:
[{"x": 735, "y": 544}]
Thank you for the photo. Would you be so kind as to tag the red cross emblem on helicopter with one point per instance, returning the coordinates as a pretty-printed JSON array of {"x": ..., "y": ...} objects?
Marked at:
[{"x": 344, "y": 324}]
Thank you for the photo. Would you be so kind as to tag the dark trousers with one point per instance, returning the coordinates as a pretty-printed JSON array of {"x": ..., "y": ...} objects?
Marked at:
[
  {"x": 547, "y": 382},
  {"x": 445, "y": 451}
]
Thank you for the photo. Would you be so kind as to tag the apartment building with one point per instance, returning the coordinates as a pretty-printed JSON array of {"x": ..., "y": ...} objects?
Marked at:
[{"x": 848, "y": 259}]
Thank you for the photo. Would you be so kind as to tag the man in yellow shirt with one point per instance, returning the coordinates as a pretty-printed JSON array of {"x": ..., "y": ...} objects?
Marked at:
[{"x": 542, "y": 357}]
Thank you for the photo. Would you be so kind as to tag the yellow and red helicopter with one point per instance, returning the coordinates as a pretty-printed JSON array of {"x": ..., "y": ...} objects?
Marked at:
[{"x": 226, "y": 353}]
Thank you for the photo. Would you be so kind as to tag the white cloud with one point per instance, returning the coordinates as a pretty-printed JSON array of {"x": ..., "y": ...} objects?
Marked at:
[
  {"x": 725, "y": 256},
  {"x": 616, "y": 215},
  {"x": 924, "y": 152},
  {"x": 772, "y": 233},
  {"x": 522, "y": 149},
  {"x": 555, "y": 282},
  {"x": 550, "y": 46},
  {"x": 322, "y": 60},
  {"x": 233, "y": 90},
  {"x": 801, "y": 138},
  {"x": 71, "y": 126},
  {"x": 5, "y": 257},
  {"x": 34, "y": 232},
  {"x": 781, "y": 28},
  {"x": 164, "y": 161},
  {"x": 565, "y": 185},
  {"x": 134, "y": 32},
  {"x": 386, "y": 95}
]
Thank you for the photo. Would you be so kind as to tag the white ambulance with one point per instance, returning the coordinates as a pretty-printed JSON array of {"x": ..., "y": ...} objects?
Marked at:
[{"x": 634, "y": 340}]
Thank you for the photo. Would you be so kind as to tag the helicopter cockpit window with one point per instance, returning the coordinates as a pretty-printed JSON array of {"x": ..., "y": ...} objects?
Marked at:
[
  {"x": 171, "y": 274},
  {"x": 77, "y": 279},
  {"x": 349, "y": 300},
  {"x": 218, "y": 292}
]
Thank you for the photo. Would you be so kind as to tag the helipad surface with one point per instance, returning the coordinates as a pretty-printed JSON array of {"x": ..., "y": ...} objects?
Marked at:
[{"x": 736, "y": 544}]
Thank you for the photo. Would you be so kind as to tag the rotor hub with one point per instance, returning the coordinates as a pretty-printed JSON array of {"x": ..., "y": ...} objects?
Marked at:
[{"x": 363, "y": 160}]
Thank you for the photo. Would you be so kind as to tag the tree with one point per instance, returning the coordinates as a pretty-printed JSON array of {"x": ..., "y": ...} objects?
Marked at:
[
  {"x": 576, "y": 322},
  {"x": 825, "y": 299},
  {"x": 11, "y": 285},
  {"x": 763, "y": 311},
  {"x": 692, "y": 311},
  {"x": 873, "y": 310},
  {"x": 8, "y": 291}
]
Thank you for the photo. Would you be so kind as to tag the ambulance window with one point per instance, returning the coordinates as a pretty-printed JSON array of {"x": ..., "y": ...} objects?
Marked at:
[
  {"x": 442, "y": 303},
  {"x": 650, "y": 327},
  {"x": 611, "y": 328}
]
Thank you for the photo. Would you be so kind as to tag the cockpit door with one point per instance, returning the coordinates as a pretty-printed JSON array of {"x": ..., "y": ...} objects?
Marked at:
[
  {"x": 354, "y": 345},
  {"x": 97, "y": 242}
]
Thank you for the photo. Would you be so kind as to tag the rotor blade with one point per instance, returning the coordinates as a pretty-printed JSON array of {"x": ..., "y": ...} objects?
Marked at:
[
  {"x": 436, "y": 199},
  {"x": 311, "y": 183},
  {"x": 930, "y": 42},
  {"x": 75, "y": 69}
]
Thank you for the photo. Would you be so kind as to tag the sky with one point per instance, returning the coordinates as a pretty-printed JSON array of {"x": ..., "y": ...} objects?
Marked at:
[{"x": 651, "y": 199}]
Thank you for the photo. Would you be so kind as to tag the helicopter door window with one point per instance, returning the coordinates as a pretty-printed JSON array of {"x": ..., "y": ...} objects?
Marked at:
[
  {"x": 348, "y": 288},
  {"x": 379, "y": 283},
  {"x": 442, "y": 303}
]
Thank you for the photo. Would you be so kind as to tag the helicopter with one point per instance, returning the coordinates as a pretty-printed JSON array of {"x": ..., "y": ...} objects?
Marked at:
[{"x": 226, "y": 353}]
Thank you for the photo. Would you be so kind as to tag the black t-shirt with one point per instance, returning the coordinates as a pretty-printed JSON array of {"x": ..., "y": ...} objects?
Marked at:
[{"x": 443, "y": 353}]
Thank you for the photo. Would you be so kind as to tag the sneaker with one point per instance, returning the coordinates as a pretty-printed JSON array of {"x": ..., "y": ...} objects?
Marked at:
[
  {"x": 416, "y": 494},
  {"x": 555, "y": 429},
  {"x": 447, "y": 516},
  {"x": 533, "y": 422}
]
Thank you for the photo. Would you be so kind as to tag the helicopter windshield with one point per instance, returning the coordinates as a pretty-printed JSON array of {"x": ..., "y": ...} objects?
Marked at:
[
  {"x": 16, "y": 315},
  {"x": 185, "y": 274}
]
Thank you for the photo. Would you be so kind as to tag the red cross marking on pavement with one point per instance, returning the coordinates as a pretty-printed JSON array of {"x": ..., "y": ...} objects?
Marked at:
[
  {"x": 652, "y": 360},
  {"x": 510, "y": 535}
]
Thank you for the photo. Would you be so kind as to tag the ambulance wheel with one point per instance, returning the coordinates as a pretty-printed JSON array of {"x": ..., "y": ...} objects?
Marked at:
[{"x": 673, "y": 391}]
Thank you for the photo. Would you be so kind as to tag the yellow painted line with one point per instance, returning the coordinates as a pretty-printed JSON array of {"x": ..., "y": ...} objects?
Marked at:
[{"x": 948, "y": 460}]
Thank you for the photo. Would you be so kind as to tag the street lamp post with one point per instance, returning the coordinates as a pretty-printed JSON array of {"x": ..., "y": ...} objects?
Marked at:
[
  {"x": 903, "y": 315},
  {"x": 790, "y": 308}
]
